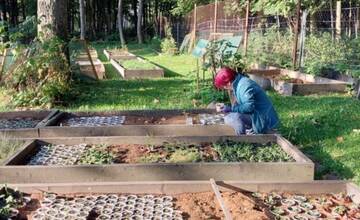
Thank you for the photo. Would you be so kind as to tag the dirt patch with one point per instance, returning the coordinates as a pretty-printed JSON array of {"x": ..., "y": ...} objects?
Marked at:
[
  {"x": 205, "y": 206},
  {"x": 166, "y": 120},
  {"x": 139, "y": 153}
]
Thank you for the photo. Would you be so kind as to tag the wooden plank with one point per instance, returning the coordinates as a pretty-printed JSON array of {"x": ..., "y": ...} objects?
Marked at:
[
  {"x": 138, "y": 130},
  {"x": 45, "y": 121},
  {"x": 90, "y": 58},
  {"x": 177, "y": 187},
  {"x": 21, "y": 154},
  {"x": 291, "y": 172},
  {"x": 261, "y": 139},
  {"x": 133, "y": 74},
  {"x": 20, "y": 133},
  {"x": 220, "y": 200},
  {"x": 291, "y": 149}
]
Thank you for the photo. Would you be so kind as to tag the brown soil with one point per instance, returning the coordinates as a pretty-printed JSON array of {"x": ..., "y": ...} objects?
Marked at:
[
  {"x": 205, "y": 206},
  {"x": 131, "y": 153},
  {"x": 138, "y": 120}
]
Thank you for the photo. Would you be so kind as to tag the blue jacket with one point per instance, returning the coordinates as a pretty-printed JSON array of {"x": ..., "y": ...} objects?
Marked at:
[{"x": 252, "y": 100}]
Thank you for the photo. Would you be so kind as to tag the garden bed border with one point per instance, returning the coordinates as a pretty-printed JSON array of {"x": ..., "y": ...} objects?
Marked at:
[
  {"x": 316, "y": 85},
  {"x": 177, "y": 187},
  {"x": 111, "y": 55},
  {"x": 43, "y": 115},
  {"x": 300, "y": 170},
  {"x": 137, "y": 74}
]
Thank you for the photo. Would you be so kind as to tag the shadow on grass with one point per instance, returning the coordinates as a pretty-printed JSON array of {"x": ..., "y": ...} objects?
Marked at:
[
  {"x": 319, "y": 125},
  {"x": 132, "y": 94}
]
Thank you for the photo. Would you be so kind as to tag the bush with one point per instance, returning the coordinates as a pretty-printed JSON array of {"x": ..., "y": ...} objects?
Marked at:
[
  {"x": 42, "y": 76},
  {"x": 168, "y": 45},
  {"x": 272, "y": 47}
]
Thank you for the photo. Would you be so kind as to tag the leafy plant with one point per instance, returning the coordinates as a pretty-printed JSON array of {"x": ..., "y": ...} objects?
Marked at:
[
  {"x": 230, "y": 151},
  {"x": 168, "y": 45},
  {"x": 9, "y": 199},
  {"x": 42, "y": 75},
  {"x": 184, "y": 156},
  {"x": 97, "y": 155},
  {"x": 151, "y": 158}
]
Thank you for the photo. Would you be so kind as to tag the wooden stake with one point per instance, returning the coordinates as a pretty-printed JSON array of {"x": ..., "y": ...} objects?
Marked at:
[
  {"x": 193, "y": 35},
  {"x": 338, "y": 19},
  {"x": 220, "y": 200},
  {"x": 197, "y": 75},
  {"x": 90, "y": 58},
  {"x": 296, "y": 37},
  {"x": 215, "y": 16},
  {"x": 246, "y": 32},
  {"x": 3, "y": 64}
]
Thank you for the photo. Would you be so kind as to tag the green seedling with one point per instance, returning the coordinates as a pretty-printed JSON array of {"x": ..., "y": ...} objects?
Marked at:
[
  {"x": 151, "y": 158},
  {"x": 97, "y": 155},
  {"x": 340, "y": 210},
  {"x": 185, "y": 156}
]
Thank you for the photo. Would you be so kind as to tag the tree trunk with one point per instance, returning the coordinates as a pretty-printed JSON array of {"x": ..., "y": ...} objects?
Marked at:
[
  {"x": 51, "y": 14},
  {"x": 140, "y": 21},
  {"x": 3, "y": 10},
  {"x": 134, "y": 6},
  {"x": 120, "y": 23},
  {"x": 82, "y": 20},
  {"x": 338, "y": 19}
]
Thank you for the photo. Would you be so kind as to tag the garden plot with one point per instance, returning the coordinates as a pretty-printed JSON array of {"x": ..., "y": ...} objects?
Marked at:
[
  {"x": 119, "y": 54},
  {"x": 288, "y": 82},
  {"x": 86, "y": 67},
  {"x": 137, "y": 68},
  {"x": 183, "y": 200},
  {"x": 24, "y": 123},
  {"x": 138, "y": 123},
  {"x": 267, "y": 157}
]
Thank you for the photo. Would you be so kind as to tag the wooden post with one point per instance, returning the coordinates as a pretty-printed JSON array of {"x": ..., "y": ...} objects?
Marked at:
[
  {"x": 215, "y": 16},
  {"x": 303, "y": 37},
  {"x": 338, "y": 19},
  {"x": 3, "y": 64},
  {"x": 220, "y": 200},
  {"x": 357, "y": 23},
  {"x": 90, "y": 58},
  {"x": 193, "y": 37},
  {"x": 296, "y": 35},
  {"x": 332, "y": 19},
  {"x": 246, "y": 32}
]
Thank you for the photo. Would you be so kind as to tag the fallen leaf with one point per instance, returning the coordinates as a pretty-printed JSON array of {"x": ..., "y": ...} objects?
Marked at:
[{"x": 340, "y": 139}]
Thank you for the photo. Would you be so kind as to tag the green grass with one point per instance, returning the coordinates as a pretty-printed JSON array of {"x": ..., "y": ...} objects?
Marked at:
[
  {"x": 137, "y": 65},
  {"x": 323, "y": 127}
]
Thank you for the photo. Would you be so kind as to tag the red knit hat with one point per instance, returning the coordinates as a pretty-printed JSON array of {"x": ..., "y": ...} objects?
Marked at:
[{"x": 223, "y": 77}]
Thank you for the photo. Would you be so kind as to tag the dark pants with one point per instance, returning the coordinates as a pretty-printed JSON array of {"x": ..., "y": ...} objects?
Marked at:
[{"x": 240, "y": 122}]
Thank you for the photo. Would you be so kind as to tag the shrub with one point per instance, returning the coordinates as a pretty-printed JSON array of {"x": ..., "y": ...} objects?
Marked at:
[
  {"x": 168, "y": 45},
  {"x": 42, "y": 76}
]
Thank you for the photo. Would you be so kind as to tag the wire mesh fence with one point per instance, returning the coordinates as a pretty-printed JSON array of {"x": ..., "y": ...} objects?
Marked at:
[{"x": 327, "y": 39}]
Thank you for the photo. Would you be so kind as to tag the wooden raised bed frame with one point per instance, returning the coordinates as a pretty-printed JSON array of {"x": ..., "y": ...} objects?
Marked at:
[
  {"x": 44, "y": 116},
  {"x": 137, "y": 74},
  {"x": 53, "y": 130},
  {"x": 119, "y": 56},
  {"x": 177, "y": 187},
  {"x": 312, "y": 85},
  {"x": 300, "y": 170}
]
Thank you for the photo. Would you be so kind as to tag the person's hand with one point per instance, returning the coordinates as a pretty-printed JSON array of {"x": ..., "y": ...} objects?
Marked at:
[{"x": 225, "y": 109}]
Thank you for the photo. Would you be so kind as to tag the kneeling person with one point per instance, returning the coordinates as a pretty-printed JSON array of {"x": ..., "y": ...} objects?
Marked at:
[{"x": 253, "y": 111}]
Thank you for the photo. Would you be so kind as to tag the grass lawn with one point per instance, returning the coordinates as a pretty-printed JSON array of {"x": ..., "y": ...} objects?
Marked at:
[{"x": 324, "y": 127}]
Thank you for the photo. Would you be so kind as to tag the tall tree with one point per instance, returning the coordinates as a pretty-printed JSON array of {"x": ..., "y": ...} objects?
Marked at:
[
  {"x": 82, "y": 19},
  {"x": 120, "y": 22},
  {"x": 140, "y": 21},
  {"x": 52, "y": 16}
]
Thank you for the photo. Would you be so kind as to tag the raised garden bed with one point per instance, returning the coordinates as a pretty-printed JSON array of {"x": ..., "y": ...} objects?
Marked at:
[
  {"x": 288, "y": 82},
  {"x": 87, "y": 69},
  {"x": 137, "y": 68},
  {"x": 187, "y": 200},
  {"x": 257, "y": 158},
  {"x": 24, "y": 123},
  {"x": 118, "y": 54},
  {"x": 138, "y": 123}
]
